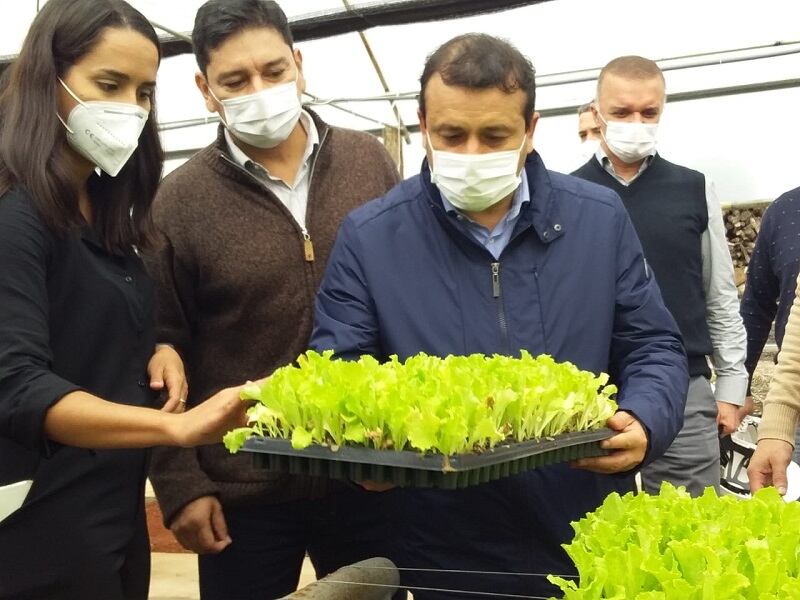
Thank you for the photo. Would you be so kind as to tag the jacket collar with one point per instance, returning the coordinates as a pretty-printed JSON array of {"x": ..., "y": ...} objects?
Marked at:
[{"x": 541, "y": 213}]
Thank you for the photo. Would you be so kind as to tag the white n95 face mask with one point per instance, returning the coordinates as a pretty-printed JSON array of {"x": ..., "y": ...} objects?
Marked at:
[
  {"x": 263, "y": 119},
  {"x": 630, "y": 142},
  {"x": 475, "y": 182},
  {"x": 106, "y": 133}
]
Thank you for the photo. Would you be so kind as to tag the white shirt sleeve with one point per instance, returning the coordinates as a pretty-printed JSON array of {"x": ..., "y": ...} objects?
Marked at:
[{"x": 728, "y": 336}]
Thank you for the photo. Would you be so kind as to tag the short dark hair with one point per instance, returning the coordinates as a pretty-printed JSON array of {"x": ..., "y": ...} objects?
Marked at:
[
  {"x": 480, "y": 61},
  {"x": 217, "y": 20},
  {"x": 33, "y": 144},
  {"x": 585, "y": 107}
]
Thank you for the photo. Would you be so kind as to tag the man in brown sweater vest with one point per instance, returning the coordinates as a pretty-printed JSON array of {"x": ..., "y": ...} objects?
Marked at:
[{"x": 248, "y": 225}]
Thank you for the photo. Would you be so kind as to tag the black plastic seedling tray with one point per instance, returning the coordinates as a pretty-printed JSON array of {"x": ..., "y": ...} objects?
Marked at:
[{"x": 415, "y": 469}]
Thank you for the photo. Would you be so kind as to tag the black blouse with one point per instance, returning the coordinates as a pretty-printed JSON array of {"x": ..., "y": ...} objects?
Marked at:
[{"x": 72, "y": 317}]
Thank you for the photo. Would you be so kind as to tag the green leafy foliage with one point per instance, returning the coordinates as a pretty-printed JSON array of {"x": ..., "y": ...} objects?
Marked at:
[
  {"x": 674, "y": 547},
  {"x": 453, "y": 405}
]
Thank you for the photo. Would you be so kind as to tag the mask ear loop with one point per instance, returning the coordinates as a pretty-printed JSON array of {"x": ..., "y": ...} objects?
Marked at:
[
  {"x": 521, "y": 146},
  {"x": 603, "y": 133},
  {"x": 69, "y": 91},
  {"x": 524, "y": 141},
  {"x": 223, "y": 117},
  {"x": 430, "y": 147},
  {"x": 78, "y": 100},
  {"x": 67, "y": 127}
]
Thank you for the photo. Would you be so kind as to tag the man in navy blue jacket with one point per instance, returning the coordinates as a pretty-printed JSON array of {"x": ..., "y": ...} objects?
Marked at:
[
  {"x": 771, "y": 281},
  {"x": 487, "y": 251}
]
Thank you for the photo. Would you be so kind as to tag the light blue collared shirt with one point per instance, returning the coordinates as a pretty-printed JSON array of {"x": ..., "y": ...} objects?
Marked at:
[
  {"x": 294, "y": 196},
  {"x": 494, "y": 241}
]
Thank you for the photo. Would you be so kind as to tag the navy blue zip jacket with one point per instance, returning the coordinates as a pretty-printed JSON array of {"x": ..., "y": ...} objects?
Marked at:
[
  {"x": 573, "y": 283},
  {"x": 404, "y": 277}
]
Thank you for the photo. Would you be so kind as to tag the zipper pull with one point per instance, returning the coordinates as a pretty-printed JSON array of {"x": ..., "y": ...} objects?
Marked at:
[
  {"x": 308, "y": 247},
  {"x": 496, "y": 279}
]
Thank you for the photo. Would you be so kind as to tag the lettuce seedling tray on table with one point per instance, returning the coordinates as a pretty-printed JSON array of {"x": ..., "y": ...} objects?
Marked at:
[{"x": 417, "y": 469}]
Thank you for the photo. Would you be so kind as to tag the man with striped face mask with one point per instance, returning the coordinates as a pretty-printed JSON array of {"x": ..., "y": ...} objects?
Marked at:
[{"x": 678, "y": 218}]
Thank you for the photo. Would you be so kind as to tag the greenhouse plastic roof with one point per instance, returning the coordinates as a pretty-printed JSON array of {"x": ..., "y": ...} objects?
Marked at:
[{"x": 744, "y": 140}]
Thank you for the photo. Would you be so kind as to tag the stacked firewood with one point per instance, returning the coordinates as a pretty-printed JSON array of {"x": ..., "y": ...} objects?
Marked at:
[{"x": 742, "y": 223}]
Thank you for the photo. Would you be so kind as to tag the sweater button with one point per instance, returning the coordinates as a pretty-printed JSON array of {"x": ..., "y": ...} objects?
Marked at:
[{"x": 128, "y": 279}]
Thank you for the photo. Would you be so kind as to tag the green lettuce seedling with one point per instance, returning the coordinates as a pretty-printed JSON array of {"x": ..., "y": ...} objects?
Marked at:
[
  {"x": 454, "y": 405},
  {"x": 674, "y": 547}
]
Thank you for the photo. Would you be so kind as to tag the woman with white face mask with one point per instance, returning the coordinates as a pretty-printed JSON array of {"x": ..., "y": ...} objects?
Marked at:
[{"x": 80, "y": 161}]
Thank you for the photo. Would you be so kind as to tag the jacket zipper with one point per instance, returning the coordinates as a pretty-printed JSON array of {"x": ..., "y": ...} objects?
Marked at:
[
  {"x": 501, "y": 311},
  {"x": 308, "y": 246},
  {"x": 308, "y": 243}
]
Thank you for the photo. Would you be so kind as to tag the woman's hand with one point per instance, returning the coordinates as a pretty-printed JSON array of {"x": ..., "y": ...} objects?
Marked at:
[{"x": 207, "y": 422}]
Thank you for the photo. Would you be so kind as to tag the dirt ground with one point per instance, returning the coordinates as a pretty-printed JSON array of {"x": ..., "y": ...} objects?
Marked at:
[{"x": 762, "y": 378}]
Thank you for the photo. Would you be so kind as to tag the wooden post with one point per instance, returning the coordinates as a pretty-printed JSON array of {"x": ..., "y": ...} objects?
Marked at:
[{"x": 393, "y": 141}]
